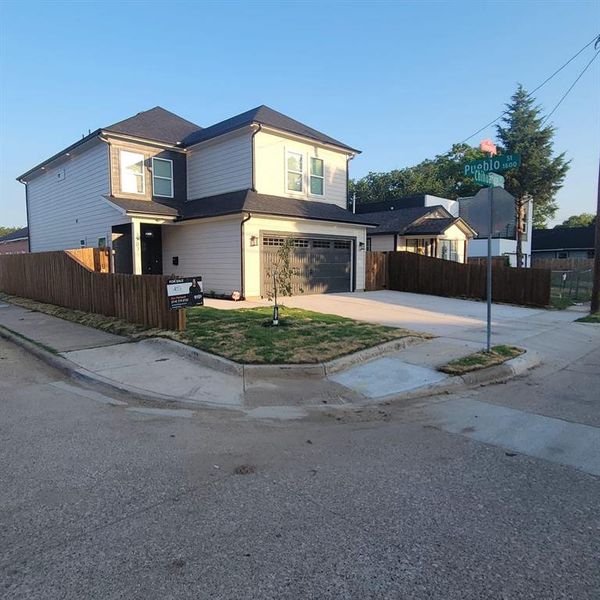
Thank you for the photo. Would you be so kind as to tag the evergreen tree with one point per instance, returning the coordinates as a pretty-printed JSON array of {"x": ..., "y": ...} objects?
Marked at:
[{"x": 541, "y": 174}]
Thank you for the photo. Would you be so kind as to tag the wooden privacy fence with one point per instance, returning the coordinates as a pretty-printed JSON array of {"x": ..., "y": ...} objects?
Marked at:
[
  {"x": 409, "y": 272},
  {"x": 55, "y": 278},
  {"x": 563, "y": 264},
  {"x": 93, "y": 259}
]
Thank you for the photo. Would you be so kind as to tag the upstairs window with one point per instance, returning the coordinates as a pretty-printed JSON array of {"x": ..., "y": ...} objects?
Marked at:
[
  {"x": 295, "y": 172},
  {"x": 162, "y": 177},
  {"x": 132, "y": 172},
  {"x": 316, "y": 176}
]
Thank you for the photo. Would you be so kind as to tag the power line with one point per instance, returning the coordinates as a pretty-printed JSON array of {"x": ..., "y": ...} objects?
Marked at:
[
  {"x": 595, "y": 40},
  {"x": 572, "y": 86}
]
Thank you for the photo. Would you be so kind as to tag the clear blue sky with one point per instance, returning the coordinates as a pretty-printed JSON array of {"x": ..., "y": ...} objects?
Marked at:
[{"x": 400, "y": 80}]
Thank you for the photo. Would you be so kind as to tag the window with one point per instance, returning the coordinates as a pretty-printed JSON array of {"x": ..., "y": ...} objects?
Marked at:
[
  {"x": 132, "y": 173},
  {"x": 368, "y": 244},
  {"x": 321, "y": 244},
  {"x": 162, "y": 177},
  {"x": 316, "y": 176},
  {"x": 342, "y": 244},
  {"x": 449, "y": 249},
  {"x": 295, "y": 172},
  {"x": 273, "y": 241},
  {"x": 300, "y": 243}
]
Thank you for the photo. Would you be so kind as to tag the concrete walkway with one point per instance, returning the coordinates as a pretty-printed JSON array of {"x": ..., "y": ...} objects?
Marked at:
[{"x": 161, "y": 370}]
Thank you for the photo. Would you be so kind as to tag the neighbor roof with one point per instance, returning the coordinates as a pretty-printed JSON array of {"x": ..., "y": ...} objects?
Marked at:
[
  {"x": 387, "y": 205},
  {"x": 563, "y": 238},
  {"x": 396, "y": 221},
  {"x": 19, "y": 234},
  {"x": 433, "y": 226},
  {"x": 253, "y": 202},
  {"x": 263, "y": 115}
]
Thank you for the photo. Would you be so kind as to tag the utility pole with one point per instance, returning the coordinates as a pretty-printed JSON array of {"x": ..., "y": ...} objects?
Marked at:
[{"x": 595, "y": 307}]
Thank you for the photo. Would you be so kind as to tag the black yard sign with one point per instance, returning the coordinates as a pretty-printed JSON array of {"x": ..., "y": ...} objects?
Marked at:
[{"x": 185, "y": 291}]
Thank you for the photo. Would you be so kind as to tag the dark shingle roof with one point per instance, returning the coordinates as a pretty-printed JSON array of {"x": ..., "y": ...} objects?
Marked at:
[
  {"x": 396, "y": 221},
  {"x": 155, "y": 124},
  {"x": 434, "y": 226},
  {"x": 399, "y": 204},
  {"x": 145, "y": 207},
  {"x": 19, "y": 234},
  {"x": 249, "y": 201},
  {"x": 563, "y": 238},
  {"x": 264, "y": 116}
]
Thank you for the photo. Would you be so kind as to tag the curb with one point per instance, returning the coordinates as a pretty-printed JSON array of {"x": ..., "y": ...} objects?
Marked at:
[
  {"x": 496, "y": 374},
  {"x": 317, "y": 370},
  {"x": 74, "y": 371}
]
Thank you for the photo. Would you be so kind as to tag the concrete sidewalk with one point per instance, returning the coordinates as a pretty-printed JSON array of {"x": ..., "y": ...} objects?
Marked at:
[{"x": 165, "y": 370}]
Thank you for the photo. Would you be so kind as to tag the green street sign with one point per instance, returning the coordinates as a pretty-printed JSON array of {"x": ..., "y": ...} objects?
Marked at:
[
  {"x": 504, "y": 162},
  {"x": 488, "y": 179}
]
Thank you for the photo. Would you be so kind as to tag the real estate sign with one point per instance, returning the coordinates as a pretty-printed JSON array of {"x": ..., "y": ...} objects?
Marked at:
[{"x": 185, "y": 291}]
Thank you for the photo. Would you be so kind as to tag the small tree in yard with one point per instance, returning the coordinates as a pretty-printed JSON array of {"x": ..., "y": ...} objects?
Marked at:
[
  {"x": 541, "y": 174},
  {"x": 281, "y": 275}
]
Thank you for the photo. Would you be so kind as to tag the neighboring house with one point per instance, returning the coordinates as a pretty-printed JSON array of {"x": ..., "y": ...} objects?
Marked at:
[
  {"x": 563, "y": 242},
  {"x": 504, "y": 242},
  {"x": 16, "y": 242},
  {"x": 422, "y": 224},
  {"x": 171, "y": 197}
]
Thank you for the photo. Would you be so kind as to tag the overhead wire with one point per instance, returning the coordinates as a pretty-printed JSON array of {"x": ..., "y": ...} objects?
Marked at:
[{"x": 595, "y": 40}]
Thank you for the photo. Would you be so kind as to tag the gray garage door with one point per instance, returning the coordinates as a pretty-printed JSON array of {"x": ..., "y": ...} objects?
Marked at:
[{"x": 323, "y": 265}]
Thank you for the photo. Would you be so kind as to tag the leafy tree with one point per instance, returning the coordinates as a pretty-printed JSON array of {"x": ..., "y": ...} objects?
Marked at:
[
  {"x": 541, "y": 174},
  {"x": 282, "y": 273},
  {"x": 441, "y": 176},
  {"x": 7, "y": 230},
  {"x": 582, "y": 220}
]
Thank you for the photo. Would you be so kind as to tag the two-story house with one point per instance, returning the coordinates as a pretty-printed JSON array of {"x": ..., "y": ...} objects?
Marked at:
[{"x": 170, "y": 197}]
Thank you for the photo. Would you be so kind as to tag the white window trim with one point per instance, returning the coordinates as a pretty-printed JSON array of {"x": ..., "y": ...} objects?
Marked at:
[
  {"x": 310, "y": 175},
  {"x": 121, "y": 170},
  {"x": 161, "y": 177},
  {"x": 287, "y": 171}
]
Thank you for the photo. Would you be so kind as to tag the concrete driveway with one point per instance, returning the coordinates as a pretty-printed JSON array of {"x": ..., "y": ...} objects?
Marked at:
[{"x": 463, "y": 320}]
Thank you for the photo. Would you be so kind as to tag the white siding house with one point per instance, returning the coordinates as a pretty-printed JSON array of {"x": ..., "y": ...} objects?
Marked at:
[
  {"x": 65, "y": 204},
  {"x": 207, "y": 247},
  {"x": 220, "y": 165}
]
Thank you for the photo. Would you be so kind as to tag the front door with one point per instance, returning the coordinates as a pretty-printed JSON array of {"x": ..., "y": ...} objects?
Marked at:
[{"x": 151, "y": 249}]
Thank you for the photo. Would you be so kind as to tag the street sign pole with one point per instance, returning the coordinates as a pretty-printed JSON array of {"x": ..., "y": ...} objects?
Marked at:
[{"x": 489, "y": 272}]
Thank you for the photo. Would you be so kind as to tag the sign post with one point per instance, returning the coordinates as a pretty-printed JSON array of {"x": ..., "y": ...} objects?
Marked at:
[
  {"x": 183, "y": 292},
  {"x": 484, "y": 172}
]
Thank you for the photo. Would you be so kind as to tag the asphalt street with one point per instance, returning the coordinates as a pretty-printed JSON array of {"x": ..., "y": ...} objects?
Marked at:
[{"x": 105, "y": 497}]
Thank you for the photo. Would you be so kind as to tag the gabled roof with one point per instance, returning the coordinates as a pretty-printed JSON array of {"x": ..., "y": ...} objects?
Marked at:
[
  {"x": 253, "y": 202},
  {"x": 396, "y": 221},
  {"x": 563, "y": 238},
  {"x": 433, "y": 226},
  {"x": 263, "y": 115},
  {"x": 155, "y": 124},
  {"x": 19, "y": 234}
]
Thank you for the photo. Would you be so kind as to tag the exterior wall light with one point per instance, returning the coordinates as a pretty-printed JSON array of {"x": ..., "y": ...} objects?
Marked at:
[
  {"x": 253, "y": 240},
  {"x": 361, "y": 246}
]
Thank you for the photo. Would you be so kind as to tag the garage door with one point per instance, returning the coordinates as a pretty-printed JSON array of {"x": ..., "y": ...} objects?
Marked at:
[{"x": 323, "y": 265}]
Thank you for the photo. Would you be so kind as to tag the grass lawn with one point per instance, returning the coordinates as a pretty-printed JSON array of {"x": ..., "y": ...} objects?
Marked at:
[
  {"x": 595, "y": 318},
  {"x": 246, "y": 335},
  {"x": 481, "y": 360}
]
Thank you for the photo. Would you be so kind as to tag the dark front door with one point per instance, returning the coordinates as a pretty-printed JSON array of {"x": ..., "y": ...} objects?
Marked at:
[
  {"x": 122, "y": 251},
  {"x": 151, "y": 249}
]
